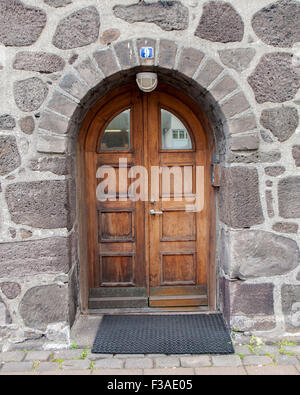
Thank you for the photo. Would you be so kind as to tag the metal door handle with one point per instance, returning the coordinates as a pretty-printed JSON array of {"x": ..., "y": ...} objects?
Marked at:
[{"x": 153, "y": 212}]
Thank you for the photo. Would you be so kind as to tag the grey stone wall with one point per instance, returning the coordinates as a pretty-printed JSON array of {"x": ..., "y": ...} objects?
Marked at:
[{"x": 239, "y": 60}]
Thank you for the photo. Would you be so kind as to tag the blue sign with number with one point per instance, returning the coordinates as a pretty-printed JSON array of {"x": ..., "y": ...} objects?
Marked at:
[{"x": 147, "y": 52}]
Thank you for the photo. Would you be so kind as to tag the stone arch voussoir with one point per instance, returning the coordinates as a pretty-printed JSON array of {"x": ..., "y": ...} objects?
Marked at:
[{"x": 202, "y": 77}]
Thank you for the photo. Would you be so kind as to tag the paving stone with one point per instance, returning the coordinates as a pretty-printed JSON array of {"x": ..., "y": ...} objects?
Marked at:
[
  {"x": 125, "y": 356},
  {"x": 195, "y": 362},
  {"x": 48, "y": 367},
  {"x": 271, "y": 370},
  {"x": 221, "y": 371},
  {"x": 226, "y": 360},
  {"x": 109, "y": 363},
  {"x": 139, "y": 363},
  {"x": 95, "y": 357},
  {"x": 167, "y": 362},
  {"x": 17, "y": 367},
  {"x": 169, "y": 372},
  {"x": 68, "y": 354},
  {"x": 12, "y": 356},
  {"x": 286, "y": 360},
  {"x": 67, "y": 373},
  {"x": 291, "y": 349},
  {"x": 38, "y": 356},
  {"x": 257, "y": 360},
  {"x": 118, "y": 372},
  {"x": 76, "y": 365}
]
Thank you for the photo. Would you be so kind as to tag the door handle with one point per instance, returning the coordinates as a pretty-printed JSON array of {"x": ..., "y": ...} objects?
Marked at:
[{"x": 153, "y": 212}]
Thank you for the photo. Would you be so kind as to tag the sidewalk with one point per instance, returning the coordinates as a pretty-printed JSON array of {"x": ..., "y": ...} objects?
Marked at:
[{"x": 250, "y": 358}]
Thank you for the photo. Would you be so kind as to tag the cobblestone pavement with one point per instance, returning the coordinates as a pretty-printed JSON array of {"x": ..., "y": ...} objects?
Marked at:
[{"x": 249, "y": 359}]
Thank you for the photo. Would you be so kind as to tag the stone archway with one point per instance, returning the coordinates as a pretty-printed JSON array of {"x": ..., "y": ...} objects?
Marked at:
[{"x": 226, "y": 109}]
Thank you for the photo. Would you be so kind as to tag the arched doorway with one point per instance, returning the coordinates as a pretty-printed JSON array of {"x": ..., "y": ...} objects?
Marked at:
[{"x": 146, "y": 203}]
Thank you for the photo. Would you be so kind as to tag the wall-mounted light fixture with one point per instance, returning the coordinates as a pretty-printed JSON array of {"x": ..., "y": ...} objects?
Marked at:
[{"x": 147, "y": 82}]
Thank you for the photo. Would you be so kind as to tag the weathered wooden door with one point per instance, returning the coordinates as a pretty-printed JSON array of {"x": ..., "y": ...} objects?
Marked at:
[{"x": 147, "y": 175}]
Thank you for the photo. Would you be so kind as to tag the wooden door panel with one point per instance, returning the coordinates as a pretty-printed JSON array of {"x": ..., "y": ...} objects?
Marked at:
[
  {"x": 176, "y": 252},
  {"x": 136, "y": 256},
  {"x": 117, "y": 270}
]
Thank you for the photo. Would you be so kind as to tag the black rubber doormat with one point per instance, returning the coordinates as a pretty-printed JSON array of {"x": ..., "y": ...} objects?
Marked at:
[{"x": 163, "y": 334}]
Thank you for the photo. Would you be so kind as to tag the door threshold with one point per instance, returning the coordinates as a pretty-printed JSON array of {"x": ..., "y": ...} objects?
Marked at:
[{"x": 152, "y": 310}]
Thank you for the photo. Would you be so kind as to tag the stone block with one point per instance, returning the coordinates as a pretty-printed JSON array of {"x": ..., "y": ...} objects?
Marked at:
[
  {"x": 27, "y": 258},
  {"x": 53, "y": 123},
  {"x": 242, "y": 124},
  {"x": 47, "y": 143},
  {"x": 277, "y": 67},
  {"x": 235, "y": 105},
  {"x": 20, "y": 24},
  {"x": 239, "y": 200},
  {"x": 126, "y": 54},
  {"x": 167, "y": 362},
  {"x": 7, "y": 122},
  {"x": 30, "y": 94},
  {"x": 208, "y": 73},
  {"x": 60, "y": 165},
  {"x": 43, "y": 305},
  {"x": 72, "y": 85},
  {"x": 10, "y": 289},
  {"x": 106, "y": 62},
  {"x": 281, "y": 121},
  {"x": 296, "y": 154},
  {"x": 41, "y": 62},
  {"x": 189, "y": 61},
  {"x": 288, "y": 197},
  {"x": 27, "y": 124},
  {"x": 167, "y": 54},
  {"x": 10, "y": 158},
  {"x": 223, "y": 88},
  {"x": 146, "y": 42},
  {"x": 290, "y": 299},
  {"x": 220, "y": 22},
  {"x": 278, "y": 24},
  {"x": 79, "y": 29},
  {"x": 226, "y": 360},
  {"x": 171, "y": 16},
  {"x": 285, "y": 227},
  {"x": 139, "y": 363},
  {"x": 42, "y": 204},
  {"x": 245, "y": 142},
  {"x": 256, "y": 253},
  {"x": 237, "y": 59},
  {"x": 89, "y": 73},
  {"x": 62, "y": 104}
]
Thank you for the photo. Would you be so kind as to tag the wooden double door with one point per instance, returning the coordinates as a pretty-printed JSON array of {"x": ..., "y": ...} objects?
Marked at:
[{"x": 147, "y": 179}]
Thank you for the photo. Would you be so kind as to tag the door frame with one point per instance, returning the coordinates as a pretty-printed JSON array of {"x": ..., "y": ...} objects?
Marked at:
[{"x": 82, "y": 180}]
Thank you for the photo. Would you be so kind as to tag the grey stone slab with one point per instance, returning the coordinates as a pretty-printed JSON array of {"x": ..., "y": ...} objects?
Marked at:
[
  {"x": 17, "y": 367},
  {"x": 139, "y": 363},
  {"x": 195, "y": 362},
  {"x": 12, "y": 356},
  {"x": 76, "y": 365},
  {"x": 257, "y": 360},
  {"x": 38, "y": 356},
  {"x": 109, "y": 363},
  {"x": 226, "y": 360},
  {"x": 48, "y": 367},
  {"x": 167, "y": 362},
  {"x": 68, "y": 354}
]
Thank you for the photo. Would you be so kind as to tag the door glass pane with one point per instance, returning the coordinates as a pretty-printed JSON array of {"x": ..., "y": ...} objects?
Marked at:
[
  {"x": 174, "y": 133},
  {"x": 117, "y": 133}
]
